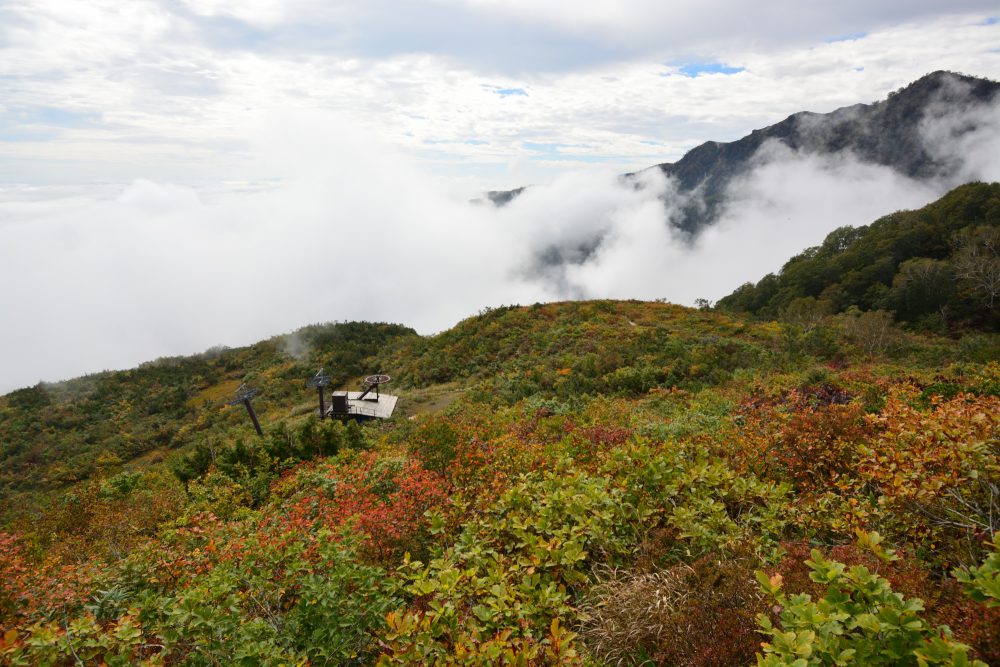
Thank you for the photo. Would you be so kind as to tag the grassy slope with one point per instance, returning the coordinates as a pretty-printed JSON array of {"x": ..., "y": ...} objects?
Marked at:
[
  {"x": 55, "y": 435},
  {"x": 510, "y": 392}
]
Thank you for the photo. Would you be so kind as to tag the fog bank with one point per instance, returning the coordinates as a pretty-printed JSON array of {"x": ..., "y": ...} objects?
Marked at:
[{"x": 109, "y": 276}]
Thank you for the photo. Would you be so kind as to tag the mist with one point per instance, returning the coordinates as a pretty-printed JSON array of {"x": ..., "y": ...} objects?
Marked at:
[{"x": 109, "y": 276}]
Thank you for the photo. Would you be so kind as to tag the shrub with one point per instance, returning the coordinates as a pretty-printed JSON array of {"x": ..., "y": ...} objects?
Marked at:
[
  {"x": 434, "y": 443},
  {"x": 983, "y": 582},
  {"x": 504, "y": 590},
  {"x": 810, "y": 444},
  {"x": 705, "y": 506},
  {"x": 859, "y": 620},
  {"x": 936, "y": 475},
  {"x": 267, "y": 603},
  {"x": 873, "y": 331},
  {"x": 385, "y": 500}
]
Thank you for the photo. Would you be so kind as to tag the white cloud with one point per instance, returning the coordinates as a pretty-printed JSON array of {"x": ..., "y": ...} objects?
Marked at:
[
  {"x": 694, "y": 25},
  {"x": 791, "y": 201},
  {"x": 967, "y": 140},
  {"x": 175, "y": 175},
  {"x": 353, "y": 233},
  {"x": 356, "y": 230},
  {"x": 172, "y": 105}
]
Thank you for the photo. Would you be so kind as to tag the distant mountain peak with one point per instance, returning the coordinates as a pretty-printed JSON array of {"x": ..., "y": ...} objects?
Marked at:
[
  {"x": 886, "y": 132},
  {"x": 941, "y": 78}
]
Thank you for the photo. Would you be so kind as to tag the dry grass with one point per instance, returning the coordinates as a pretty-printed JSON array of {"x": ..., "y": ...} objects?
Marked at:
[
  {"x": 700, "y": 614},
  {"x": 630, "y": 611}
]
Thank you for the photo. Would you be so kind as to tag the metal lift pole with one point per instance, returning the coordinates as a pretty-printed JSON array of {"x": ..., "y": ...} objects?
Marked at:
[
  {"x": 321, "y": 380},
  {"x": 245, "y": 395},
  {"x": 253, "y": 416}
]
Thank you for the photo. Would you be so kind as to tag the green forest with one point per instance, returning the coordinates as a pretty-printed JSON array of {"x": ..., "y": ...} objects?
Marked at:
[
  {"x": 806, "y": 474},
  {"x": 935, "y": 269}
]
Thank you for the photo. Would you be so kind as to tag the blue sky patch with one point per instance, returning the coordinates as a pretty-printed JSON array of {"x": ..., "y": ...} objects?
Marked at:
[
  {"x": 554, "y": 151},
  {"x": 12, "y": 135},
  {"x": 587, "y": 159},
  {"x": 507, "y": 92},
  {"x": 696, "y": 69},
  {"x": 58, "y": 117},
  {"x": 849, "y": 37}
]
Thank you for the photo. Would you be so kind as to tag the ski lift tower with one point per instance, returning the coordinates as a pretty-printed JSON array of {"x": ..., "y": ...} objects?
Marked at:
[
  {"x": 321, "y": 381},
  {"x": 244, "y": 395}
]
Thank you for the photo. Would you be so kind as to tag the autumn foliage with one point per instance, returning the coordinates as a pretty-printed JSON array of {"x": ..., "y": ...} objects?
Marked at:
[{"x": 602, "y": 490}]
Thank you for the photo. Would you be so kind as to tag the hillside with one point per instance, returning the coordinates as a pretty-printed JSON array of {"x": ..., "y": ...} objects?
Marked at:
[
  {"x": 59, "y": 434},
  {"x": 552, "y": 471},
  {"x": 888, "y": 132},
  {"x": 937, "y": 267},
  {"x": 53, "y": 435}
]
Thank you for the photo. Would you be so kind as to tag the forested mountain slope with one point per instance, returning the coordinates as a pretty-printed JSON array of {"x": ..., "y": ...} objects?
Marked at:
[{"x": 937, "y": 267}]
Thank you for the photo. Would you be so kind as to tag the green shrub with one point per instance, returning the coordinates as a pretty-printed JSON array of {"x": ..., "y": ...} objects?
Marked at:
[
  {"x": 508, "y": 584},
  {"x": 983, "y": 583},
  {"x": 306, "y": 601},
  {"x": 705, "y": 505},
  {"x": 859, "y": 620}
]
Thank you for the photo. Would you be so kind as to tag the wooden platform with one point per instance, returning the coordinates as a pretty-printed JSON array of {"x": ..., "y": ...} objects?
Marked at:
[{"x": 369, "y": 407}]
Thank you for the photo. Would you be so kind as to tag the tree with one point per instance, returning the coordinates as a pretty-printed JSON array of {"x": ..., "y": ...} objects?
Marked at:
[
  {"x": 977, "y": 262},
  {"x": 872, "y": 330},
  {"x": 921, "y": 287},
  {"x": 807, "y": 312}
]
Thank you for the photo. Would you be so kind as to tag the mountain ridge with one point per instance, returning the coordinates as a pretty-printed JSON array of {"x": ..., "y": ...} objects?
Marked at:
[{"x": 886, "y": 132}]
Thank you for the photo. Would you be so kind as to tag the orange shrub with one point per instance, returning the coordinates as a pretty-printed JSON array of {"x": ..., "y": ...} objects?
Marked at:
[
  {"x": 29, "y": 587},
  {"x": 936, "y": 474},
  {"x": 810, "y": 438}
]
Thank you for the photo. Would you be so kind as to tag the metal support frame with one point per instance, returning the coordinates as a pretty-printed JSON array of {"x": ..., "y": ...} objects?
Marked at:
[
  {"x": 245, "y": 395},
  {"x": 321, "y": 380}
]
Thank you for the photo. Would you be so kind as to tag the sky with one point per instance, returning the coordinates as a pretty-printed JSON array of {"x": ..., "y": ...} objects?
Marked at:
[{"x": 176, "y": 174}]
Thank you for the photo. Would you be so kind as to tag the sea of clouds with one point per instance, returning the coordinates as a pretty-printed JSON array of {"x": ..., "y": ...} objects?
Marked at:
[{"x": 109, "y": 276}]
